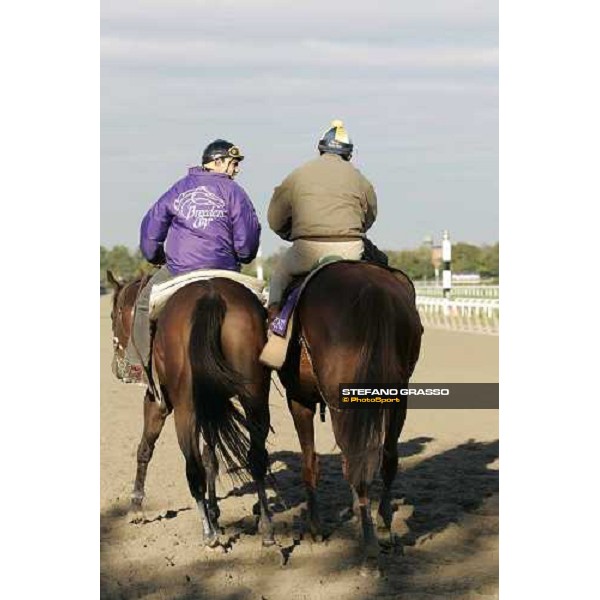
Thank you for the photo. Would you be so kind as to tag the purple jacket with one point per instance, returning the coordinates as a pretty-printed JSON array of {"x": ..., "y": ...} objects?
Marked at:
[{"x": 206, "y": 221}]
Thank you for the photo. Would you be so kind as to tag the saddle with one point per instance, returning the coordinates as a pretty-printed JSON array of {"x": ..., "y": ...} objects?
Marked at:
[{"x": 162, "y": 292}]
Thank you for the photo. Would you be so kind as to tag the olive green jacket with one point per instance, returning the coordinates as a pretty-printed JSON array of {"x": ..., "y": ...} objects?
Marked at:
[{"x": 324, "y": 198}]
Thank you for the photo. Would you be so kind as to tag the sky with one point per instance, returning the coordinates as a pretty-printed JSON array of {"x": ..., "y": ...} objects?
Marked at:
[{"x": 416, "y": 84}]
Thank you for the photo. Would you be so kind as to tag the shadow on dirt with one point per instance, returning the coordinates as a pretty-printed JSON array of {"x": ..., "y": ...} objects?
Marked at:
[
  {"x": 452, "y": 487},
  {"x": 288, "y": 485}
]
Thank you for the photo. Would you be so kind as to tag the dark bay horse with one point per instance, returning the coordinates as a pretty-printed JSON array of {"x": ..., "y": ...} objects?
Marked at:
[
  {"x": 208, "y": 338},
  {"x": 356, "y": 323}
]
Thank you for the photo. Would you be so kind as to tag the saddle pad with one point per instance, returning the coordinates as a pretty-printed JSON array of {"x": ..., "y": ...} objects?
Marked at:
[
  {"x": 280, "y": 324},
  {"x": 280, "y": 332},
  {"x": 162, "y": 292}
]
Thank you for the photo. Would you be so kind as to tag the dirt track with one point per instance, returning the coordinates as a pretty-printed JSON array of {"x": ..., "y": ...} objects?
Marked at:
[{"x": 447, "y": 496}]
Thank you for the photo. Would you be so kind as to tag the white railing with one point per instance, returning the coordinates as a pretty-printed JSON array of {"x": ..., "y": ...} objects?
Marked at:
[
  {"x": 463, "y": 314},
  {"x": 460, "y": 291}
]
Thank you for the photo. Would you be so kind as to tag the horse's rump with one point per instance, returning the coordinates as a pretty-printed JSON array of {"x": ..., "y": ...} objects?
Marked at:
[
  {"x": 361, "y": 325},
  {"x": 190, "y": 337},
  {"x": 367, "y": 314},
  {"x": 275, "y": 352}
]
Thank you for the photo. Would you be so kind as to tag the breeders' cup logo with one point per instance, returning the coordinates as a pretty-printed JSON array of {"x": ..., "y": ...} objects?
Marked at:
[{"x": 200, "y": 206}]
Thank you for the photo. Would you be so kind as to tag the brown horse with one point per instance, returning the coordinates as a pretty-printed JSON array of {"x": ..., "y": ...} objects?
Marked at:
[
  {"x": 208, "y": 338},
  {"x": 356, "y": 323}
]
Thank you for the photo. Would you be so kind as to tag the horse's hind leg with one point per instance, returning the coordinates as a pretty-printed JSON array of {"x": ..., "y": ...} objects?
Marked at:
[
  {"x": 355, "y": 504},
  {"x": 188, "y": 437},
  {"x": 357, "y": 468},
  {"x": 211, "y": 465},
  {"x": 389, "y": 466},
  {"x": 154, "y": 419},
  {"x": 258, "y": 419},
  {"x": 303, "y": 421},
  {"x": 361, "y": 509}
]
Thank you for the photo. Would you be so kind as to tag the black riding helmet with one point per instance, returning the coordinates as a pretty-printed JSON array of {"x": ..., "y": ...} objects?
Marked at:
[
  {"x": 336, "y": 141},
  {"x": 221, "y": 149}
]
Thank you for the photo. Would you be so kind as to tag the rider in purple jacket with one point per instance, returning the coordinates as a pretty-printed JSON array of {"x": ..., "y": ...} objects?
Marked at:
[{"x": 204, "y": 221}]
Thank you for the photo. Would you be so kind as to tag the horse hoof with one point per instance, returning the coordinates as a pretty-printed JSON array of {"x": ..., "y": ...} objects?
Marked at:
[
  {"x": 267, "y": 532},
  {"x": 317, "y": 536},
  {"x": 136, "y": 514},
  {"x": 370, "y": 568},
  {"x": 212, "y": 542},
  {"x": 369, "y": 571}
]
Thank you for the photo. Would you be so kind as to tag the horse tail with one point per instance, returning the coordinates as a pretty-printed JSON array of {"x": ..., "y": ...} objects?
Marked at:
[
  {"x": 381, "y": 358},
  {"x": 214, "y": 383},
  {"x": 375, "y": 317}
]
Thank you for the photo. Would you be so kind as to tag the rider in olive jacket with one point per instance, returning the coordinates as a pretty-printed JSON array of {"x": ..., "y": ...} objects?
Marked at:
[{"x": 324, "y": 207}]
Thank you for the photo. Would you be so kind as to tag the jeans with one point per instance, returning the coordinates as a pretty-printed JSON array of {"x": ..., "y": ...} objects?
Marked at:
[{"x": 302, "y": 256}]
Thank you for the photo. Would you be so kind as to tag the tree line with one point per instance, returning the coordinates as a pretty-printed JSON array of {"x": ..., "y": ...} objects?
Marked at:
[
  {"x": 466, "y": 258},
  {"x": 416, "y": 263},
  {"x": 122, "y": 262}
]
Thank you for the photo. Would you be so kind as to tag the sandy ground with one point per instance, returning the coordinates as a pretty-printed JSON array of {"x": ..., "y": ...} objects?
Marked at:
[{"x": 446, "y": 494}]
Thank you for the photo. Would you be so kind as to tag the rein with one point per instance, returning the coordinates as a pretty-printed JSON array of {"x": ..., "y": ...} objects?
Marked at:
[
  {"x": 323, "y": 402},
  {"x": 120, "y": 350}
]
